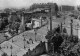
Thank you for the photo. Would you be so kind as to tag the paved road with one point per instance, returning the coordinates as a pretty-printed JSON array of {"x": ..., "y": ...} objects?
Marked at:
[{"x": 18, "y": 44}]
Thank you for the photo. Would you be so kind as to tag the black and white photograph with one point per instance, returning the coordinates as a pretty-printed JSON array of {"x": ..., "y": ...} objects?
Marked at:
[{"x": 39, "y": 27}]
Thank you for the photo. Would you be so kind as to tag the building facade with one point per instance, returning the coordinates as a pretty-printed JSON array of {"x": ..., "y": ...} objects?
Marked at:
[{"x": 66, "y": 8}]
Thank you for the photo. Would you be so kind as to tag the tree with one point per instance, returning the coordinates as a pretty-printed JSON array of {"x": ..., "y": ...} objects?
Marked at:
[
  {"x": 15, "y": 26},
  {"x": 55, "y": 40},
  {"x": 64, "y": 30},
  {"x": 61, "y": 45},
  {"x": 7, "y": 10},
  {"x": 78, "y": 7},
  {"x": 56, "y": 9},
  {"x": 4, "y": 54},
  {"x": 15, "y": 18}
]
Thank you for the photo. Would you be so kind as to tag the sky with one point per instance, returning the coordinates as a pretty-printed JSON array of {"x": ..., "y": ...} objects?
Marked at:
[{"x": 27, "y": 3}]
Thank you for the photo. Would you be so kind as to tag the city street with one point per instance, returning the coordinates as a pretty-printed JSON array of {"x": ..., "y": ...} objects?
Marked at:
[{"x": 27, "y": 31}]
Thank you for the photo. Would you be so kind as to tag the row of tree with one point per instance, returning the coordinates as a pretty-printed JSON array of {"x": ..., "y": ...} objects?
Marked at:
[{"x": 63, "y": 45}]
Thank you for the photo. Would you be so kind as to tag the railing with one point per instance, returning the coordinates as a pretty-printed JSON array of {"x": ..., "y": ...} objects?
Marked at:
[{"x": 39, "y": 49}]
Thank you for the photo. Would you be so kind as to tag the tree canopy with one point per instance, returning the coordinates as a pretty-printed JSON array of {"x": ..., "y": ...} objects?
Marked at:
[{"x": 4, "y": 54}]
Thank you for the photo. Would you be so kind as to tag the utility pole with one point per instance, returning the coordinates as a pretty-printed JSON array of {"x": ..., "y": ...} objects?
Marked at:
[
  {"x": 50, "y": 19},
  {"x": 51, "y": 22}
]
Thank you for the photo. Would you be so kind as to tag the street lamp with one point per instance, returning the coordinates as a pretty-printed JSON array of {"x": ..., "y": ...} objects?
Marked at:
[
  {"x": 11, "y": 49},
  {"x": 24, "y": 40},
  {"x": 35, "y": 33},
  {"x": 71, "y": 27}
]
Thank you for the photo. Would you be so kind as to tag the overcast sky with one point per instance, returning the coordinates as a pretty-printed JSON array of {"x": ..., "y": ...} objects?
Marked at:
[{"x": 27, "y": 3}]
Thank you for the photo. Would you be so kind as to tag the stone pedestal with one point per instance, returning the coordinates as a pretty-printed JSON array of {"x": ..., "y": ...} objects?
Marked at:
[
  {"x": 79, "y": 33},
  {"x": 46, "y": 45}
]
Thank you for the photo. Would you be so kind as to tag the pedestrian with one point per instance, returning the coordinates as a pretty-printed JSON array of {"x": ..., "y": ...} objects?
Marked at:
[
  {"x": 28, "y": 42},
  {"x": 58, "y": 29},
  {"x": 64, "y": 30}
]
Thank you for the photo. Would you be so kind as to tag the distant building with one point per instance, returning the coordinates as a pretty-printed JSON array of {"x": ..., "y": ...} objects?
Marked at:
[
  {"x": 66, "y": 8},
  {"x": 78, "y": 8},
  {"x": 46, "y": 6},
  {"x": 34, "y": 23}
]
